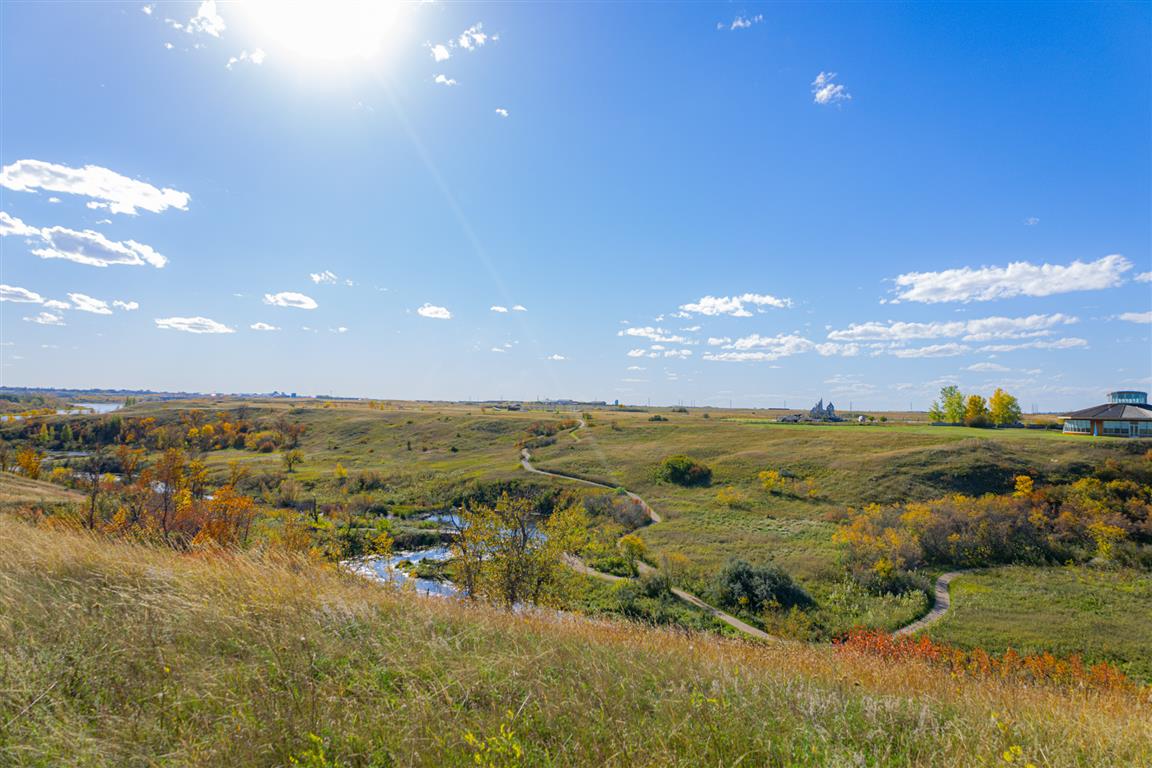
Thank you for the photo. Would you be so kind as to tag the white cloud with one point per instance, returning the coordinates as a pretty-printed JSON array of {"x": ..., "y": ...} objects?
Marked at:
[
  {"x": 734, "y": 305},
  {"x": 327, "y": 276},
  {"x": 53, "y": 200},
  {"x": 498, "y": 349},
  {"x": 1137, "y": 317},
  {"x": 1031, "y": 221},
  {"x": 168, "y": 46},
  {"x": 256, "y": 57},
  {"x": 951, "y": 349},
  {"x": 637, "y": 368},
  {"x": 56, "y": 304},
  {"x": 119, "y": 194},
  {"x": 443, "y": 80},
  {"x": 86, "y": 247},
  {"x": 497, "y": 308},
  {"x": 653, "y": 334},
  {"x": 824, "y": 91},
  {"x": 192, "y": 325},
  {"x": 290, "y": 299},
  {"x": 1064, "y": 343},
  {"x": 519, "y": 308},
  {"x": 19, "y": 295},
  {"x": 439, "y": 52},
  {"x": 263, "y": 327},
  {"x": 987, "y": 367},
  {"x": 637, "y": 353},
  {"x": 147, "y": 9},
  {"x": 127, "y": 306},
  {"x": 501, "y": 111},
  {"x": 86, "y": 303},
  {"x": 1143, "y": 277},
  {"x": 46, "y": 318},
  {"x": 434, "y": 312},
  {"x": 340, "y": 329},
  {"x": 206, "y": 20},
  {"x": 1017, "y": 279},
  {"x": 742, "y": 22},
  {"x": 981, "y": 329},
  {"x": 473, "y": 37},
  {"x": 718, "y": 341},
  {"x": 555, "y": 357},
  {"x": 10, "y": 225}
]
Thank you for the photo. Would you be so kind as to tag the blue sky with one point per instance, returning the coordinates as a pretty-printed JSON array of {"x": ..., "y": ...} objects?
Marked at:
[{"x": 698, "y": 203}]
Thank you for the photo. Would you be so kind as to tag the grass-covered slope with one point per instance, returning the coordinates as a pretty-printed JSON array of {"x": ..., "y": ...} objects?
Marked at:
[
  {"x": 120, "y": 654},
  {"x": 1101, "y": 614}
]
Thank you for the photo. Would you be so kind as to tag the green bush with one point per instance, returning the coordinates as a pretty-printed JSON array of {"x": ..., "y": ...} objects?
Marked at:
[
  {"x": 743, "y": 586},
  {"x": 683, "y": 470}
]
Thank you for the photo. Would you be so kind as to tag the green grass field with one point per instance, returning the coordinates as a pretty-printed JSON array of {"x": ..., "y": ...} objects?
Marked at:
[{"x": 1101, "y": 614}]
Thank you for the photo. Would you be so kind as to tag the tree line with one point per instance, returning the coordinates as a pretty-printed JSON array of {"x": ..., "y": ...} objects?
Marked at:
[{"x": 954, "y": 407}]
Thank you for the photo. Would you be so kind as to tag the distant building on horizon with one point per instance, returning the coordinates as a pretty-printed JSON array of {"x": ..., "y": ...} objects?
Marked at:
[
  {"x": 818, "y": 412},
  {"x": 1126, "y": 414}
]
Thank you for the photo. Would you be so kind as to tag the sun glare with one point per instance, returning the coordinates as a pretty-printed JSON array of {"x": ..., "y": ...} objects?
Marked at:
[{"x": 326, "y": 29}]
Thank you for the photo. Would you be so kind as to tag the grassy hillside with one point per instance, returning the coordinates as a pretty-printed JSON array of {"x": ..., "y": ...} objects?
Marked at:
[
  {"x": 15, "y": 489},
  {"x": 119, "y": 654},
  {"x": 1102, "y": 614}
]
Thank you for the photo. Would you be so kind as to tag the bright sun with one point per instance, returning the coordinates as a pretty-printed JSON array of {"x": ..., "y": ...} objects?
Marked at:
[{"x": 326, "y": 29}]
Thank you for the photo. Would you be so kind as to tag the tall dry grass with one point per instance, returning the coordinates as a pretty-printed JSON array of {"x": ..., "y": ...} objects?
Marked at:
[{"x": 124, "y": 654}]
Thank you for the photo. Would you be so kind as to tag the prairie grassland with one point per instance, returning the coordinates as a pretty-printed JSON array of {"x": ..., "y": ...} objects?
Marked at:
[
  {"x": 1101, "y": 614},
  {"x": 119, "y": 654},
  {"x": 15, "y": 489},
  {"x": 421, "y": 456}
]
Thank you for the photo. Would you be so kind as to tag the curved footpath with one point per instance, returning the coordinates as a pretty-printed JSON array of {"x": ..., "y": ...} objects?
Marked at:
[
  {"x": 941, "y": 606},
  {"x": 582, "y": 567}
]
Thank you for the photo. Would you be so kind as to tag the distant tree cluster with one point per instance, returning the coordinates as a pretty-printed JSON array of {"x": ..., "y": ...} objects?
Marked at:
[{"x": 953, "y": 407}]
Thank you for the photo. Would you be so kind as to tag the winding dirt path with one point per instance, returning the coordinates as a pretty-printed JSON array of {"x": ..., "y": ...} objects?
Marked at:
[
  {"x": 941, "y": 606},
  {"x": 582, "y": 567}
]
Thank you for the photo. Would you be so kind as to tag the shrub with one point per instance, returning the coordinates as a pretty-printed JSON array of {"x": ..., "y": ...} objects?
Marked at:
[
  {"x": 683, "y": 470},
  {"x": 754, "y": 588}
]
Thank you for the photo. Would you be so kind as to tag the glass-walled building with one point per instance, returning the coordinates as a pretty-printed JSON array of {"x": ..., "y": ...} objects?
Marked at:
[{"x": 1126, "y": 414}]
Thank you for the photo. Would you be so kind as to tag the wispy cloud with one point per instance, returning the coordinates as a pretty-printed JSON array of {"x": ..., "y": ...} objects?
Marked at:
[
  {"x": 519, "y": 308},
  {"x": 192, "y": 325},
  {"x": 501, "y": 111},
  {"x": 443, "y": 80},
  {"x": 256, "y": 57},
  {"x": 824, "y": 91},
  {"x": 84, "y": 303},
  {"x": 499, "y": 309},
  {"x": 19, "y": 295},
  {"x": 327, "y": 277},
  {"x": 1143, "y": 277},
  {"x": 970, "y": 330},
  {"x": 1137, "y": 317},
  {"x": 736, "y": 306},
  {"x": 654, "y": 334},
  {"x": 290, "y": 299},
  {"x": 982, "y": 367},
  {"x": 555, "y": 357},
  {"x": 741, "y": 22},
  {"x": 1019, "y": 278},
  {"x": 106, "y": 188},
  {"x": 46, "y": 318},
  {"x": 434, "y": 312},
  {"x": 439, "y": 52},
  {"x": 263, "y": 327},
  {"x": 83, "y": 247},
  {"x": 127, "y": 306},
  {"x": 1031, "y": 221}
]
